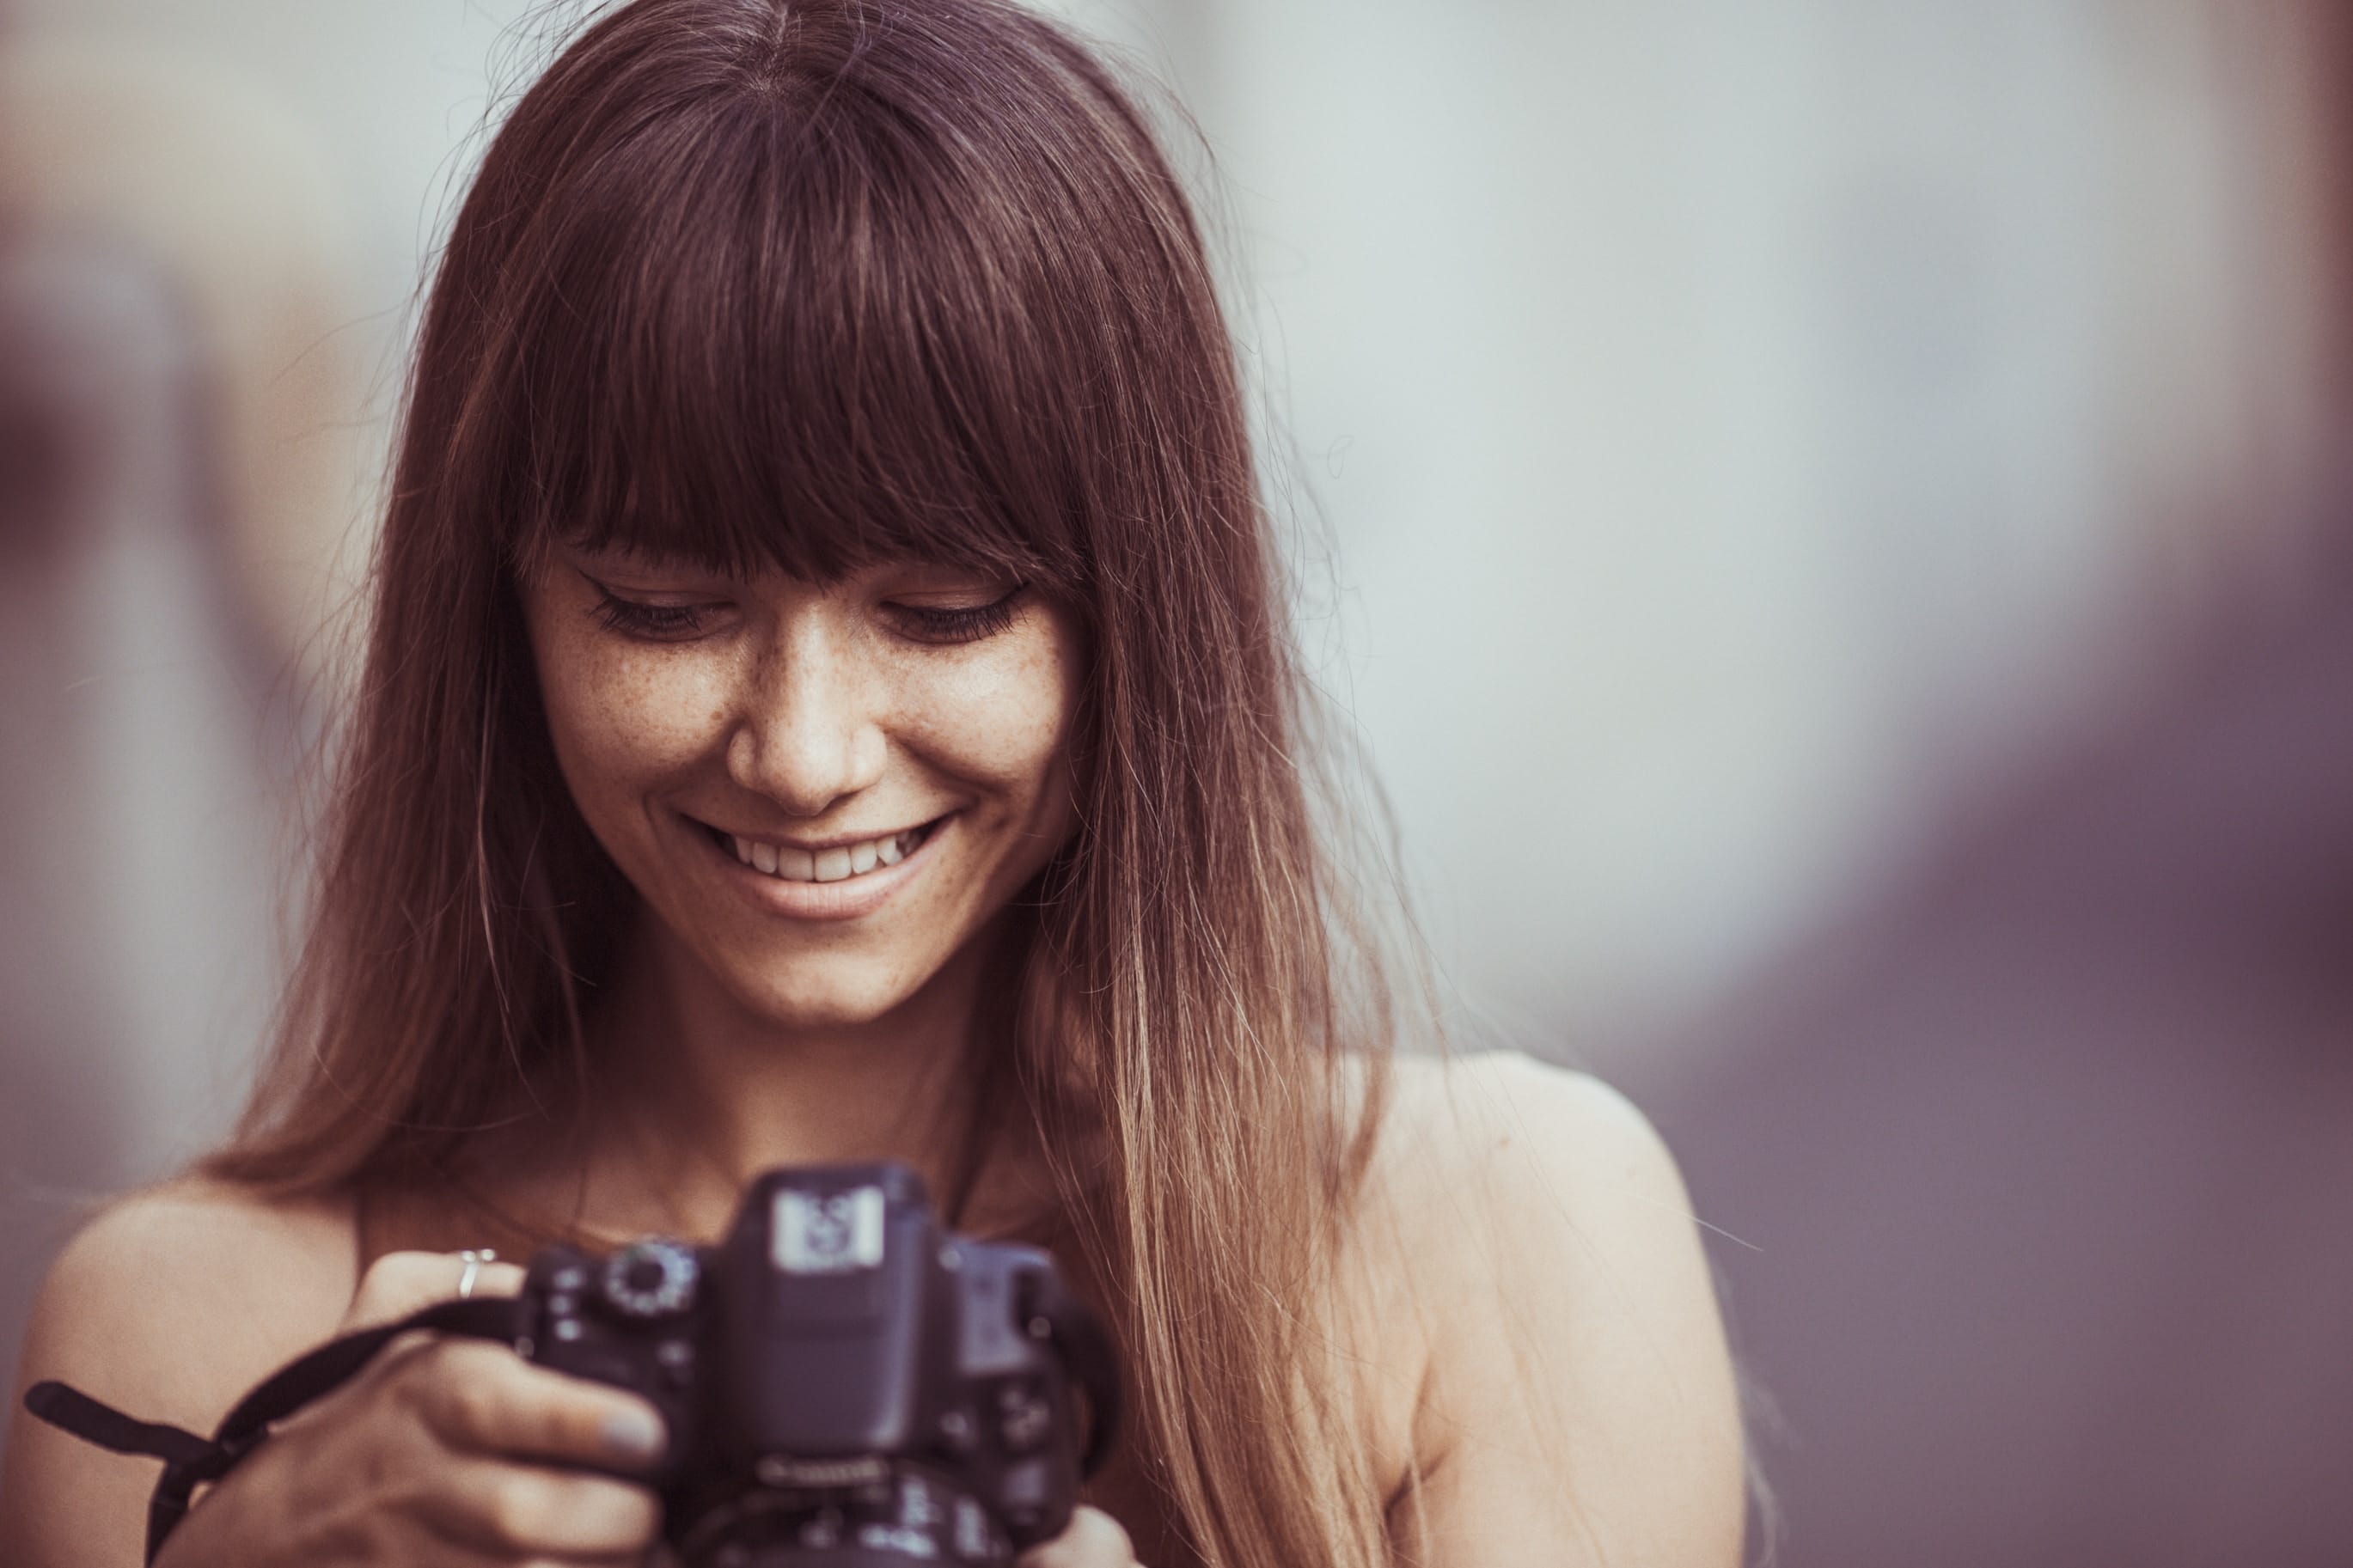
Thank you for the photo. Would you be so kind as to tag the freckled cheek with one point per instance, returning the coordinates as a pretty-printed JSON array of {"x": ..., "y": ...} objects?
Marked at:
[
  {"x": 1000, "y": 725},
  {"x": 625, "y": 722}
]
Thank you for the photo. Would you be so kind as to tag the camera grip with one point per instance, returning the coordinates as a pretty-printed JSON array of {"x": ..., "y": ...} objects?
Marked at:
[{"x": 1088, "y": 1353}]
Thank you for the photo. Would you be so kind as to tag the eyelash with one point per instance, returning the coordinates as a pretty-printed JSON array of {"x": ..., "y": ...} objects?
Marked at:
[
  {"x": 674, "y": 623},
  {"x": 961, "y": 626},
  {"x": 661, "y": 623}
]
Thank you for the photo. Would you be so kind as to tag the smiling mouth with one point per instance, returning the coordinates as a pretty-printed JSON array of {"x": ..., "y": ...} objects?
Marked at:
[{"x": 787, "y": 863}]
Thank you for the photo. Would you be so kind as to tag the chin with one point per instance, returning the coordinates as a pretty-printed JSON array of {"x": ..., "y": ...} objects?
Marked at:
[{"x": 820, "y": 1001}]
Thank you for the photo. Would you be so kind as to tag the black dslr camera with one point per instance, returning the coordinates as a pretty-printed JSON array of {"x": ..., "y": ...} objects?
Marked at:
[{"x": 845, "y": 1385}]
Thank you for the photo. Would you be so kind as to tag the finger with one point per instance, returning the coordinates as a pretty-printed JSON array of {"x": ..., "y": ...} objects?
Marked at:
[
  {"x": 491, "y": 1278},
  {"x": 529, "y": 1511},
  {"x": 1093, "y": 1539},
  {"x": 400, "y": 1283},
  {"x": 483, "y": 1398}
]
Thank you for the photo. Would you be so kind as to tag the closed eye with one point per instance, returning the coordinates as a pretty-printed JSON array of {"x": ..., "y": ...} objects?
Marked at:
[
  {"x": 959, "y": 624},
  {"x": 655, "y": 622}
]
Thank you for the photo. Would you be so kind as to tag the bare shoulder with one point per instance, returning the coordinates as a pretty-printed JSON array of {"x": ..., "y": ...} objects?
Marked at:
[
  {"x": 170, "y": 1304},
  {"x": 1573, "y": 1351},
  {"x": 1469, "y": 1112},
  {"x": 1478, "y": 1149},
  {"x": 174, "y": 1295}
]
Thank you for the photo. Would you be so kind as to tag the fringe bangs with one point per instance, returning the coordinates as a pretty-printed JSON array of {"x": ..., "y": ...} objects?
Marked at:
[{"x": 770, "y": 338}]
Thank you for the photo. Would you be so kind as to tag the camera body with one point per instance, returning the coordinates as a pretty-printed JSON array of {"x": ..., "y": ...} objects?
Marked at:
[{"x": 844, "y": 1384}]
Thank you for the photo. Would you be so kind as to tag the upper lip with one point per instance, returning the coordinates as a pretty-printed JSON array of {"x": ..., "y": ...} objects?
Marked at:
[{"x": 817, "y": 846}]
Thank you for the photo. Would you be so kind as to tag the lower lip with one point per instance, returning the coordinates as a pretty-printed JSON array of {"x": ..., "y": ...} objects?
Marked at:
[{"x": 843, "y": 901}]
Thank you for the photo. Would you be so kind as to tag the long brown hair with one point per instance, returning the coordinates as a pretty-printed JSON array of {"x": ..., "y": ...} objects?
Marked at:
[{"x": 804, "y": 286}]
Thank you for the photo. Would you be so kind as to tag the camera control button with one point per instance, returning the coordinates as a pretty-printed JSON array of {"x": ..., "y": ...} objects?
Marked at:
[
  {"x": 958, "y": 1431},
  {"x": 1023, "y": 1419},
  {"x": 976, "y": 1538},
  {"x": 1024, "y": 1491},
  {"x": 651, "y": 1278}
]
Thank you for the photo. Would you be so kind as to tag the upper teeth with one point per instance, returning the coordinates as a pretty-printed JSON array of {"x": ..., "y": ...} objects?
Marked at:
[{"x": 826, "y": 865}]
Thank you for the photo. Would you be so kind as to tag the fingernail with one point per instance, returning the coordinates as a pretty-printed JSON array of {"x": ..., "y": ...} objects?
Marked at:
[{"x": 635, "y": 1433}]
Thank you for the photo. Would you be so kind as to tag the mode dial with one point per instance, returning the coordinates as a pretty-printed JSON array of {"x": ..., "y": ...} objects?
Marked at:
[{"x": 652, "y": 1278}]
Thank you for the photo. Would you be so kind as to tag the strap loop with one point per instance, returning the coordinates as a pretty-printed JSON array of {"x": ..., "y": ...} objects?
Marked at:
[
  {"x": 73, "y": 1411},
  {"x": 190, "y": 1461}
]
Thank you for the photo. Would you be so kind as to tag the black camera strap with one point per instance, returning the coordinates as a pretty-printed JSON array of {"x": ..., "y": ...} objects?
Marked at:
[{"x": 190, "y": 1461}]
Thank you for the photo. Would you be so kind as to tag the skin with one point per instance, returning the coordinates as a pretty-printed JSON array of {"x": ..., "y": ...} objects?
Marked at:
[
  {"x": 1524, "y": 1297},
  {"x": 791, "y": 713}
]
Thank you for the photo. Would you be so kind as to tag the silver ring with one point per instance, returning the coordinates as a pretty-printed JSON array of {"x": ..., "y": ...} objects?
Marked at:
[{"x": 473, "y": 1259}]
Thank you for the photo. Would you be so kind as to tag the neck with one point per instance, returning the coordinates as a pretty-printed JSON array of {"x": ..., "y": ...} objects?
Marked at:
[{"x": 697, "y": 1095}]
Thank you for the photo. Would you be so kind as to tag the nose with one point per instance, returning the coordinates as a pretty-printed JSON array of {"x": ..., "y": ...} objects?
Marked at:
[{"x": 808, "y": 732}]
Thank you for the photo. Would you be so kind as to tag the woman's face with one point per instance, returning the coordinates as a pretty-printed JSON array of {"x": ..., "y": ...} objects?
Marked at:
[{"x": 822, "y": 793}]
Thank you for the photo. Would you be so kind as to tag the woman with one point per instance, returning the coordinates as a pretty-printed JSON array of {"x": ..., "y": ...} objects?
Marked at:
[{"x": 827, "y": 699}]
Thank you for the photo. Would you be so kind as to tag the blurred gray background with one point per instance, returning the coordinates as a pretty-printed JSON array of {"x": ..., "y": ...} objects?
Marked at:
[{"x": 1724, "y": 440}]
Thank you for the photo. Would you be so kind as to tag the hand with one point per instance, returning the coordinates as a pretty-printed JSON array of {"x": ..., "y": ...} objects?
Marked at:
[
  {"x": 457, "y": 1453},
  {"x": 1094, "y": 1539}
]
